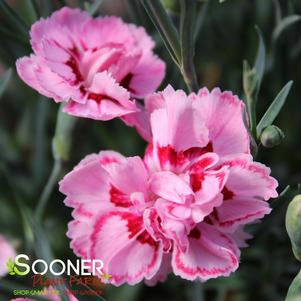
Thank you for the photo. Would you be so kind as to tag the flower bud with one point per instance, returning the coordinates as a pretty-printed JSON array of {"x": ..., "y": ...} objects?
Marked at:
[
  {"x": 271, "y": 136},
  {"x": 293, "y": 225}
]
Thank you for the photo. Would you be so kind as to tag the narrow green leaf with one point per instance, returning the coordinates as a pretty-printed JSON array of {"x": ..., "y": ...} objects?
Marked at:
[
  {"x": 278, "y": 12},
  {"x": 137, "y": 12},
  {"x": 201, "y": 16},
  {"x": 4, "y": 81},
  {"x": 13, "y": 18},
  {"x": 259, "y": 64},
  {"x": 32, "y": 10},
  {"x": 284, "y": 24},
  {"x": 165, "y": 27},
  {"x": 93, "y": 8},
  {"x": 188, "y": 16},
  {"x": 249, "y": 85},
  {"x": 294, "y": 292},
  {"x": 274, "y": 109}
]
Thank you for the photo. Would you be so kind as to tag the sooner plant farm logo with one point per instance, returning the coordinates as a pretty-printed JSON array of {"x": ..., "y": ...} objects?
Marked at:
[{"x": 83, "y": 267}]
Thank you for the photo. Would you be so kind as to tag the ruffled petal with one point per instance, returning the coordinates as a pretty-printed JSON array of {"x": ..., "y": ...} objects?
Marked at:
[
  {"x": 63, "y": 27},
  {"x": 169, "y": 186},
  {"x": 211, "y": 254},
  {"x": 171, "y": 124},
  {"x": 88, "y": 183},
  {"x": 26, "y": 68},
  {"x": 249, "y": 179},
  {"x": 235, "y": 212},
  {"x": 134, "y": 254},
  {"x": 106, "y": 100},
  {"x": 246, "y": 191},
  {"x": 139, "y": 120},
  {"x": 164, "y": 270},
  {"x": 103, "y": 31},
  {"x": 223, "y": 113},
  {"x": 147, "y": 75},
  {"x": 130, "y": 177}
]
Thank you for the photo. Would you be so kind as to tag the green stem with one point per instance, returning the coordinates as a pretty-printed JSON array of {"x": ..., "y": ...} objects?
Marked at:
[
  {"x": 252, "y": 114},
  {"x": 164, "y": 25},
  {"x": 52, "y": 180},
  {"x": 197, "y": 291},
  {"x": 61, "y": 144},
  {"x": 188, "y": 16}
]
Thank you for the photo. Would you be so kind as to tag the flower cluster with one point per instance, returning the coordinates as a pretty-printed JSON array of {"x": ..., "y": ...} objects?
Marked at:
[
  {"x": 183, "y": 207},
  {"x": 96, "y": 65}
]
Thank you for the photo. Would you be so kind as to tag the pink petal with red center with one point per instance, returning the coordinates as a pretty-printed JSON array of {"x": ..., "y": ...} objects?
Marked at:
[
  {"x": 27, "y": 70},
  {"x": 134, "y": 255},
  {"x": 222, "y": 113},
  {"x": 208, "y": 184},
  {"x": 235, "y": 212},
  {"x": 178, "y": 124},
  {"x": 169, "y": 186},
  {"x": 152, "y": 223},
  {"x": 203, "y": 162},
  {"x": 203, "y": 208},
  {"x": 106, "y": 100},
  {"x": 249, "y": 179},
  {"x": 106, "y": 180},
  {"x": 174, "y": 221},
  {"x": 247, "y": 189},
  {"x": 55, "y": 84},
  {"x": 96, "y": 61},
  {"x": 71, "y": 50},
  {"x": 211, "y": 254},
  {"x": 130, "y": 177},
  {"x": 80, "y": 228},
  {"x": 60, "y": 60},
  {"x": 124, "y": 67}
]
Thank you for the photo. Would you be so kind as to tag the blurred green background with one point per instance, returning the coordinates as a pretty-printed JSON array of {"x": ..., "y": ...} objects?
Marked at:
[{"x": 227, "y": 37}]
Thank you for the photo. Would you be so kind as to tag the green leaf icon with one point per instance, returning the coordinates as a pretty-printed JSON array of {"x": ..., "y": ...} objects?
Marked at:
[{"x": 10, "y": 266}]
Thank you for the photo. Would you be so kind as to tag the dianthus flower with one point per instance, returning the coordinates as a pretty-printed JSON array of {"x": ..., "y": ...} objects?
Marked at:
[
  {"x": 183, "y": 208},
  {"x": 95, "y": 65}
]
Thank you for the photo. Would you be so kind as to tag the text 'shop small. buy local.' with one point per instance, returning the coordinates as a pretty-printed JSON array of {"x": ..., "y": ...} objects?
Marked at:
[{"x": 20, "y": 266}]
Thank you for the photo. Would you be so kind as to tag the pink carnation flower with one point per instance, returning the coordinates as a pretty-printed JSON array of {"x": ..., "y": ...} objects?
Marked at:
[
  {"x": 182, "y": 209},
  {"x": 95, "y": 65},
  {"x": 6, "y": 251}
]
